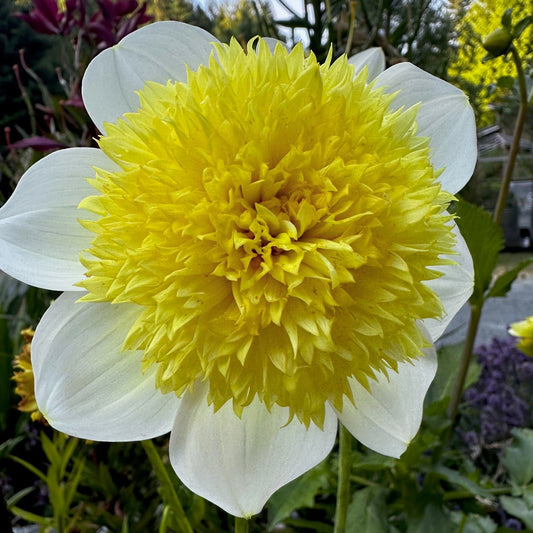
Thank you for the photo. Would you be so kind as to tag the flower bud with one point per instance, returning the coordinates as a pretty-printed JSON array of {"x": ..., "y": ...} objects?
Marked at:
[{"x": 498, "y": 42}]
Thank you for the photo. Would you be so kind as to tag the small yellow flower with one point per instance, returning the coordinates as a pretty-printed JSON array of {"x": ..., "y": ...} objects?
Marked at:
[
  {"x": 523, "y": 330},
  {"x": 24, "y": 379}
]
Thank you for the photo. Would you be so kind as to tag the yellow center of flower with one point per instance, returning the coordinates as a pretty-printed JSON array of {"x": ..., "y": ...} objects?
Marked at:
[{"x": 275, "y": 223}]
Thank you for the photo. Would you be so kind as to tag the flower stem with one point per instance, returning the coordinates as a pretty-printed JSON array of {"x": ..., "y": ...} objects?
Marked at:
[
  {"x": 241, "y": 525},
  {"x": 475, "y": 316},
  {"x": 168, "y": 490},
  {"x": 343, "y": 483},
  {"x": 517, "y": 134},
  {"x": 349, "y": 40},
  {"x": 475, "y": 313}
]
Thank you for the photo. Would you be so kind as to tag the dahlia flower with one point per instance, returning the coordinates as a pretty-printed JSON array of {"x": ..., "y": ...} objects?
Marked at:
[{"x": 259, "y": 247}]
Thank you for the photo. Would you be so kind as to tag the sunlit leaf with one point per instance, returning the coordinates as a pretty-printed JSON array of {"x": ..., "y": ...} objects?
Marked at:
[
  {"x": 517, "y": 458},
  {"x": 474, "y": 523},
  {"x": 367, "y": 512},
  {"x": 434, "y": 519},
  {"x": 521, "y": 25},
  {"x": 449, "y": 360},
  {"x": 297, "y": 494},
  {"x": 485, "y": 240},
  {"x": 519, "y": 508},
  {"x": 502, "y": 284},
  {"x": 507, "y": 18},
  {"x": 456, "y": 478}
]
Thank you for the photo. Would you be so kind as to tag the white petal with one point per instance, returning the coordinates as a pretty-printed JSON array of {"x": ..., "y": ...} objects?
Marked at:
[
  {"x": 85, "y": 385},
  {"x": 387, "y": 418},
  {"x": 40, "y": 236},
  {"x": 158, "y": 52},
  {"x": 373, "y": 58},
  {"x": 272, "y": 43},
  {"x": 239, "y": 463},
  {"x": 445, "y": 116},
  {"x": 455, "y": 286}
]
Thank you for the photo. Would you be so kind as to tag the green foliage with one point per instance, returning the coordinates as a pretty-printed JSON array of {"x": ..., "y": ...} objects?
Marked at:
[
  {"x": 518, "y": 457},
  {"x": 61, "y": 478},
  {"x": 449, "y": 360},
  {"x": 242, "y": 20},
  {"x": 297, "y": 494},
  {"x": 473, "y": 523},
  {"x": 39, "y": 51},
  {"x": 181, "y": 10},
  {"x": 519, "y": 507},
  {"x": 502, "y": 284},
  {"x": 417, "y": 31},
  {"x": 467, "y": 67},
  {"x": 485, "y": 241},
  {"x": 367, "y": 512}
]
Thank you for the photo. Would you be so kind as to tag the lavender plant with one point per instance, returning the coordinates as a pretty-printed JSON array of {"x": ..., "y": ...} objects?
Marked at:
[{"x": 501, "y": 398}]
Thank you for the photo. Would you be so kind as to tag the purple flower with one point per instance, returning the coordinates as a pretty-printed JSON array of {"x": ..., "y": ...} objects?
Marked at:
[
  {"x": 500, "y": 398},
  {"x": 109, "y": 23},
  {"x": 46, "y": 18}
]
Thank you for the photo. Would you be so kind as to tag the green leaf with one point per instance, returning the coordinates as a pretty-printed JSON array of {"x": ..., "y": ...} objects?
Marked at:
[
  {"x": 372, "y": 461},
  {"x": 502, "y": 284},
  {"x": 125, "y": 525},
  {"x": 66, "y": 449},
  {"x": 517, "y": 458},
  {"x": 302, "y": 523},
  {"x": 7, "y": 446},
  {"x": 519, "y": 508},
  {"x": 474, "y": 523},
  {"x": 434, "y": 519},
  {"x": 32, "y": 517},
  {"x": 73, "y": 481},
  {"x": 449, "y": 360},
  {"x": 367, "y": 512},
  {"x": 297, "y": 494},
  {"x": 527, "y": 493},
  {"x": 456, "y": 478},
  {"x": 50, "y": 450},
  {"x": 30, "y": 467},
  {"x": 506, "y": 82},
  {"x": 485, "y": 240},
  {"x": 13, "y": 500},
  {"x": 167, "y": 489},
  {"x": 507, "y": 18},
  {"x": 294, "y": 23},
  {"x": 521, "y": 25}
]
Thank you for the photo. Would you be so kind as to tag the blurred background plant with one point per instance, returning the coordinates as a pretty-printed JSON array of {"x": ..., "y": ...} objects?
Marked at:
[{"x": 470, "y": 472}]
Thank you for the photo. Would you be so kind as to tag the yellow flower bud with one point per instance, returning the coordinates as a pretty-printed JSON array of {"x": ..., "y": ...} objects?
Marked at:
[{"x": 498, "y": 42}]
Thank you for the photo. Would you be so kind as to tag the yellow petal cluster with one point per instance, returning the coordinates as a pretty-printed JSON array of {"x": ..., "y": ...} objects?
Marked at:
[
  {"x": 24, "y": 379},
  {"x": 523, "y": 330},
  {"x": 275, "y": 223}
]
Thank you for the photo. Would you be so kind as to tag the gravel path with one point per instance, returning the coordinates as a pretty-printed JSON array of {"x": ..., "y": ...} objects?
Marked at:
[{"x": 497, "y": 314}]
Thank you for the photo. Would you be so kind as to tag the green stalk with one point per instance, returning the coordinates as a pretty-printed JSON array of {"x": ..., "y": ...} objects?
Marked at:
[
  {"x": 241, "y": 525},
  {"x": 168, "y": 487},
  {"x": 343, "y": 483},
  {"x": 517, "y": 134},
  {"x": 475, "y": 316},
  {"x": 349, "y": 40}
]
